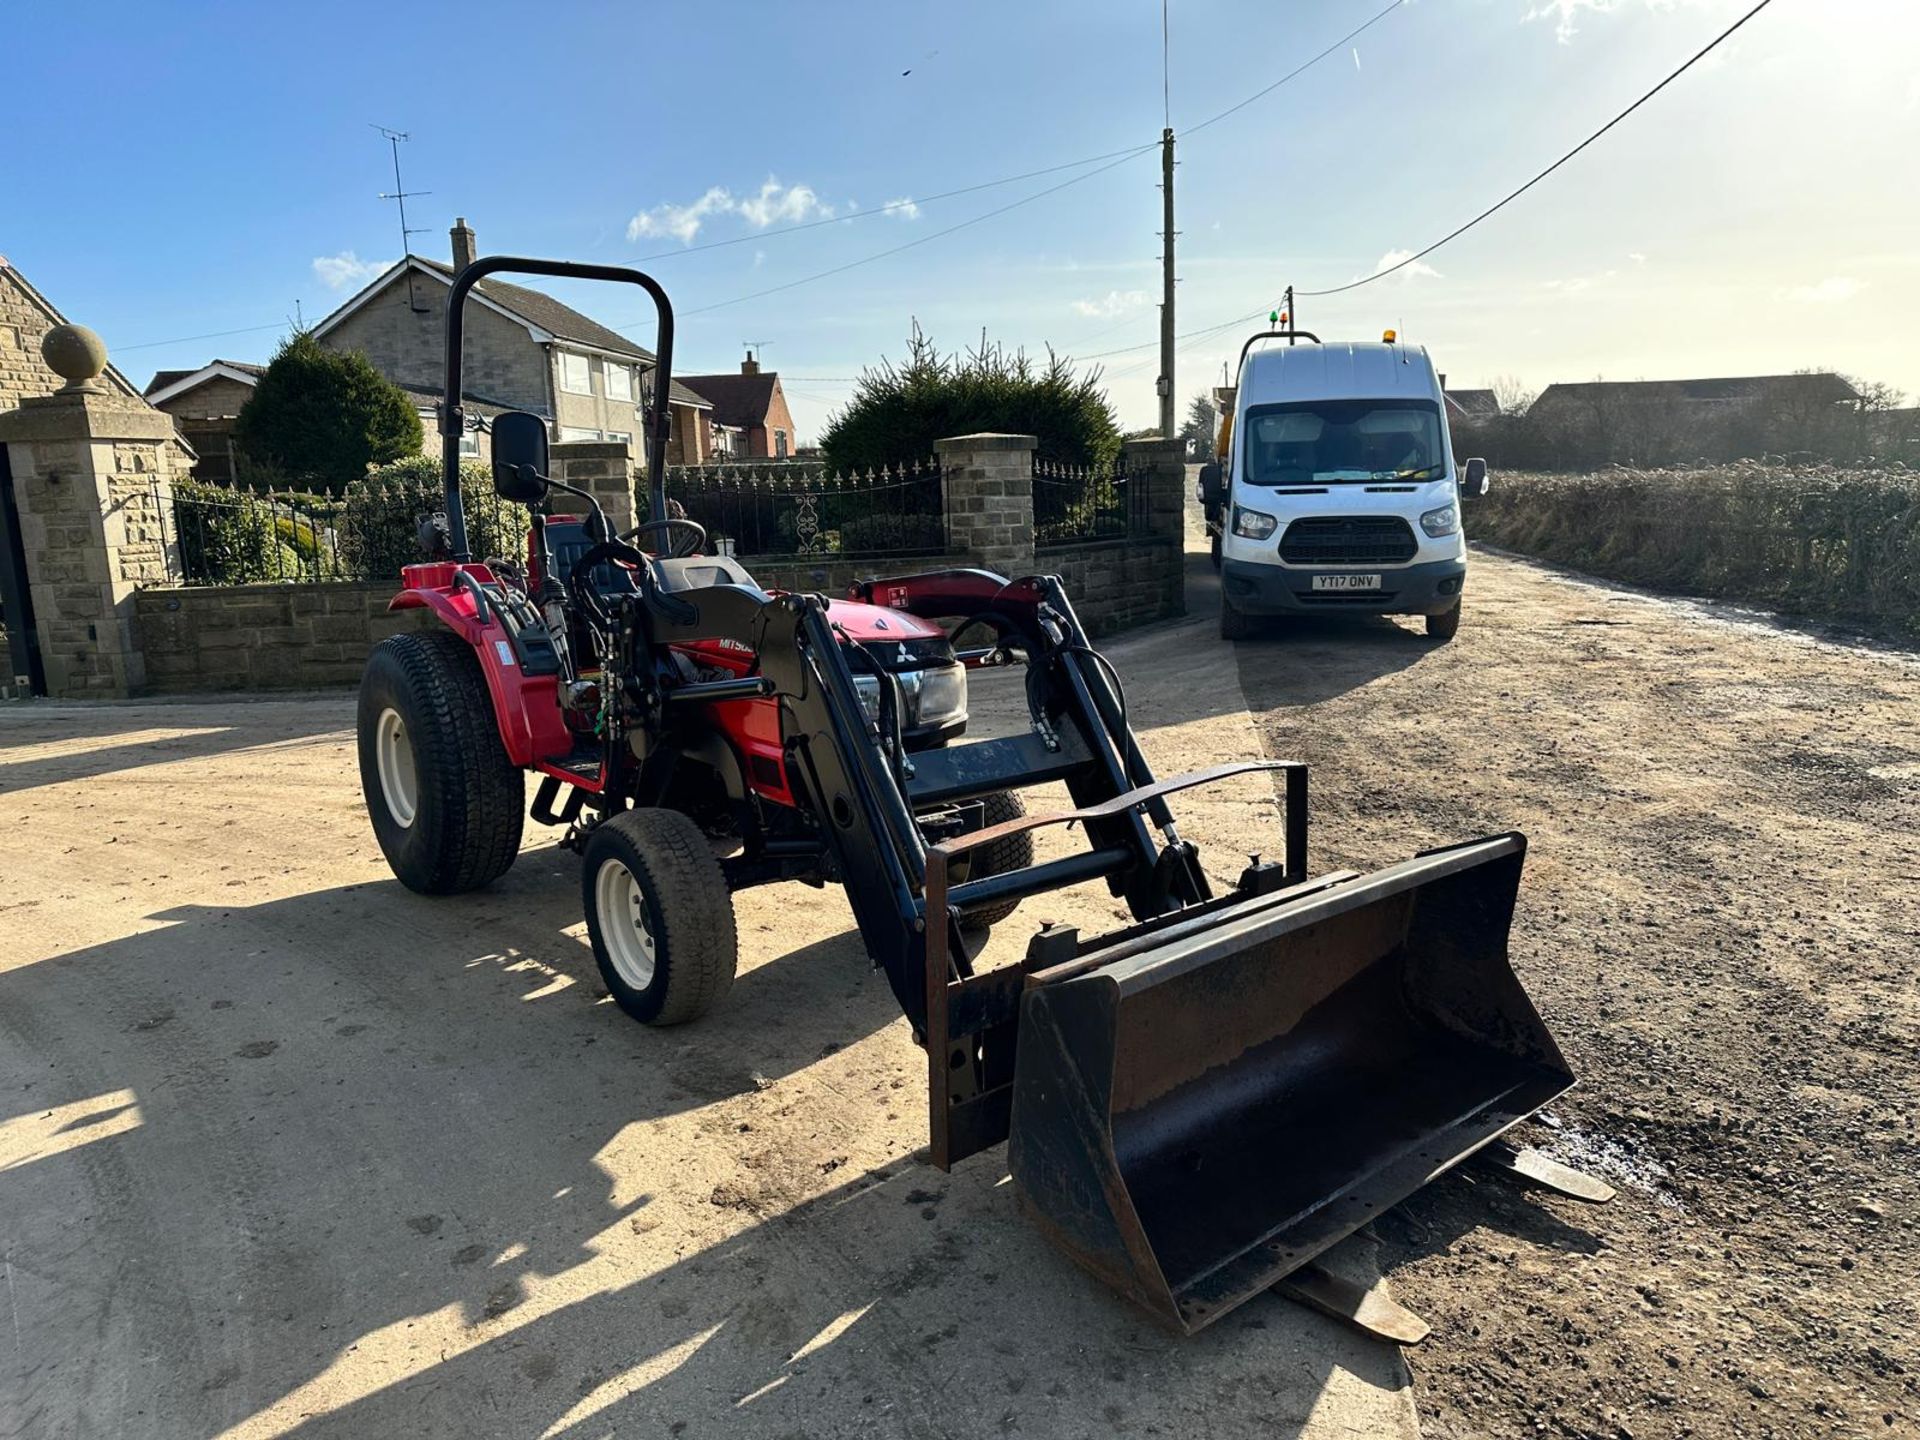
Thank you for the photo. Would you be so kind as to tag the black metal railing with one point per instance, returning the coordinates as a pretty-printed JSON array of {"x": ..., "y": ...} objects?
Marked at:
[
  {"x": 782, "y": 509},
  {"x": 221, "y": 535},
  {"x": 1073, "y": 504}
]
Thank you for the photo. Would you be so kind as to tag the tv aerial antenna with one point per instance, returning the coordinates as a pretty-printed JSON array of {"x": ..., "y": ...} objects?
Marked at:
[{"x": 400, "y": 195}]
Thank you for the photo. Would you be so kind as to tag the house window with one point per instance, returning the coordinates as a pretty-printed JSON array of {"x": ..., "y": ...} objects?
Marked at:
[
  {"x": 619, "y": 381},
  {"x": 575, "y": 432},
  {"x": 470, "y": 442},
  {"x": 780, "y": 444},
  {"x": 576, "y": 378},
  {"x": 625, "y": 437}
]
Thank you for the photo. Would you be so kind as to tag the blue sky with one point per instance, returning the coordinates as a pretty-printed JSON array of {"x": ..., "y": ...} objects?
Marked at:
[{"x": 174, "y": 170}]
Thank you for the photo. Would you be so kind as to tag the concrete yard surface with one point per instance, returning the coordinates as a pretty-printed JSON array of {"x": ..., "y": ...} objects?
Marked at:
[{"x": 286, "y": 1149}]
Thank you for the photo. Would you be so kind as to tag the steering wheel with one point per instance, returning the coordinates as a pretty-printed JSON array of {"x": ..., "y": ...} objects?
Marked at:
[{"x": 695, "y": 537}]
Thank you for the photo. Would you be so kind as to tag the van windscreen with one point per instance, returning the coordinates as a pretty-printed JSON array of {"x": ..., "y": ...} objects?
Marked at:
[{"x": 1338, "y": 441}]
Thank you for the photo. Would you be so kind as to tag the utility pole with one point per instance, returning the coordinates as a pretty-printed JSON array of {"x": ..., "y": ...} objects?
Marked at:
[{"x": 1166, "y": 284}]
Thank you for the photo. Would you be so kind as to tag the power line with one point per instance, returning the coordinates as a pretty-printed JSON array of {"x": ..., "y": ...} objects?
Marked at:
[
  {"x": 1695, "y": 59},
  {"x": 921, "y": 240},
  {"x": 1298, "y": 70},
  {"x": 1484, "y": 214}
]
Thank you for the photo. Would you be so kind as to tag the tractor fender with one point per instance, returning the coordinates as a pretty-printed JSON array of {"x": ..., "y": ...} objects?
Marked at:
[{"x": 526, "y": 707}]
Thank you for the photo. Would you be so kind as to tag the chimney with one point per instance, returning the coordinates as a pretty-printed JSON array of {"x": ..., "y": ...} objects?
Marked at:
[
  {"x": 749, "y": 366},
  {"x": 463, "y": 251}
]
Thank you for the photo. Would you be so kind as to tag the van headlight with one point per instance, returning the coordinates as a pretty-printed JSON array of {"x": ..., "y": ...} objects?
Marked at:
[
  {"x": 936, "y": 695},
  {"x": 1441, "y": 522},
  {"x": 1253, "y": 524}
]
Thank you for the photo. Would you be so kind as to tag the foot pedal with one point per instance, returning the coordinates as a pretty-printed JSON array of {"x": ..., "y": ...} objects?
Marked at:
[
  {"x": 548, "y": 792},
  {"x": 1365, "y": 1307},
  {"x": 1536, "y": 1169}
]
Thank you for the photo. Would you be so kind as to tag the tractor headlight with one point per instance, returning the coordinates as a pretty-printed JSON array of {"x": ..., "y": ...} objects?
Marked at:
[
  {"x": 936, "y": 695},
  {"x": 1253, "y": 524},
  {"x": 943, "y": 696},
  {"x": 1441, "y": 522}
]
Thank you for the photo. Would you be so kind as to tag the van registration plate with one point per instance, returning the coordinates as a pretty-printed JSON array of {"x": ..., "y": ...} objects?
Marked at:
[{"x": 1346, "y": 582}]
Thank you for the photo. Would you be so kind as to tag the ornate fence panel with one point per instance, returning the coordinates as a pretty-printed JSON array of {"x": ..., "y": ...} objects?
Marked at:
[
  {"x": 1073, "y": 504},
  {"x": 802, "y": 510}
]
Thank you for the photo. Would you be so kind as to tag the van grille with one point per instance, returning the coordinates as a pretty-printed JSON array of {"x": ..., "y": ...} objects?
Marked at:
[{"x": 1348, "y": 540}]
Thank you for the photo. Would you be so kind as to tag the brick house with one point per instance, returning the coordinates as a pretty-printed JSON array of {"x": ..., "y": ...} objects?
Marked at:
[
  {"x": 750, "y": 416},
  {"x": 524, "y": 350},
  {"x": 25, "y": 317},
  {"x": 204, "y": 404}
]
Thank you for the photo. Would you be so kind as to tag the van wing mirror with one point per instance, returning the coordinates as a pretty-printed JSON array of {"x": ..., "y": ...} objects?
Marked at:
[
  {"x": 1213, "y": 485},
  {"x": 1473, "y": 482},
  {"x": 520, "y": 457}
]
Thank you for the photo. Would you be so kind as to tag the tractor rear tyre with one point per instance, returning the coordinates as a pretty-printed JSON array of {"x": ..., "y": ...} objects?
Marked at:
[
  {"x": 1445, "y": 625},
  {"x": 1013, "y": 853},
  {"x": 659, "y": 915},
  {"x": 446, "y": 803}
]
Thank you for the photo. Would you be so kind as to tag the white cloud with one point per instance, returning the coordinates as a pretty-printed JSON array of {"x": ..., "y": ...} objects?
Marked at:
[
  {"x": 904, "y": 208},
  {"x": 777, "y": 202},
  {"x": 337, "y": 272},
  {"x": 683, "y": 222},
  {"x": 1114, "y": 302},
  {"x": 1565, "y": 13},
  {"x": 773, "y": 203},
  {"x": 759, "y": 258},
  {"x": 1638, "y": 257},
  {"x": 1834, "y": 290},
  {"x": 1406, "y": 272},
  {"x": 1356, "y": 57},
  {"x": 1574, "y": 284}
]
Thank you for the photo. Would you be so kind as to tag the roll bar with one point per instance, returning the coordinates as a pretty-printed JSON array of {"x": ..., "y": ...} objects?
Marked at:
[
  {"x": 453, "y": 418},
  {"x": 1287, "y": 335}
]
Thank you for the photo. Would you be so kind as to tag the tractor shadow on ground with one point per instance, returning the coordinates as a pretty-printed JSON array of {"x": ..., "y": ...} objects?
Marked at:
[
  {"x": 189, "y": 732},
  {"x": 358, "y": 1108}
]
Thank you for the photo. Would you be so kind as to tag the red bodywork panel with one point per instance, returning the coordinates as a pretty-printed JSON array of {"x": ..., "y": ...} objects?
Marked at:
[{"x": 527, "y": 707}]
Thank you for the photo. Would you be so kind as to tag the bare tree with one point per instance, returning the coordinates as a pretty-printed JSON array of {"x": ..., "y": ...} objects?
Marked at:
[{"x": 1512, "y": 394}]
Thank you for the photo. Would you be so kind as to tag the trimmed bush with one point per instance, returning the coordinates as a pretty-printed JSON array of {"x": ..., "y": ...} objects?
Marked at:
[
  {"x": 320, "y": 418},
  {"x": 230, "y": 537},
  {"x": 1814, "y": 540},
  {"x": 381, "y": 517}
]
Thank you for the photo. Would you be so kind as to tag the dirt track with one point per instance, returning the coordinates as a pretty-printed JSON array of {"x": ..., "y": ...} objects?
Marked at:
[
  {"x": 1721, "y": 921},
  {"x": 284, "y": 1149}
]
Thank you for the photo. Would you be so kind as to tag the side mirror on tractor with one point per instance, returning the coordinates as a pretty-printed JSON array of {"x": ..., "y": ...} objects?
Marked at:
[
  {"x": 520, "y": 457},
  {"x": 1473, "y": 480}
]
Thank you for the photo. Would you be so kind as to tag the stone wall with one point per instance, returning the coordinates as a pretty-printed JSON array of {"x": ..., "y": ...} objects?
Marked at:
[
  {"x": 1117, "y": 584},
  {"x": 266, "y": 637}
]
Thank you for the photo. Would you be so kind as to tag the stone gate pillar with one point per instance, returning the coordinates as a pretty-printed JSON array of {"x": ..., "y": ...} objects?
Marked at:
[
  {"x": 93, "y": 479},
  {"x": 990, "y": 499},
  {"x": 603, "y": 468}
]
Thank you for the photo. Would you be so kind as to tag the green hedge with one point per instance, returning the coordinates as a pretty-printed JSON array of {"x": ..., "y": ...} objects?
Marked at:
[
  {"x": 1816, "y": 540},
  {"x": 380, "y": 517}
]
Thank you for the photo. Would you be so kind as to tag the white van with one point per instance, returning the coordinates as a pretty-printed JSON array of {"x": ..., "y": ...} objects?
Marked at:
[{"x": 1337, "y": 490}]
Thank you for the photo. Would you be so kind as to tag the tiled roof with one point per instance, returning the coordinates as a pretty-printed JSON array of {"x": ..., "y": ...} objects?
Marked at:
[{"x": 737, "y": 399}]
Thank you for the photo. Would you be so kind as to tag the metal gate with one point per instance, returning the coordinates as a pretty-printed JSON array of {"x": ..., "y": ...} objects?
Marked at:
[{"x": 16, "y": 598}]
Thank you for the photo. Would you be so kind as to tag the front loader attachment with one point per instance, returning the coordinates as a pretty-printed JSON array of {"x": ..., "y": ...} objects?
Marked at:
[{"x": 1212, "y": 1105}]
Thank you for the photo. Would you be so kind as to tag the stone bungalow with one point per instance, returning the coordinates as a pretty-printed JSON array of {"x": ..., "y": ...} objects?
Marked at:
[
  {"x": 525, "y": 350},
  {"x": 25, "y": 318}
]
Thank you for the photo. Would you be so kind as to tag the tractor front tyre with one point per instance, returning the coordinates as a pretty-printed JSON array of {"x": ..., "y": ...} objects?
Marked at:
[
  {"x": 446, "y": 803},
  {"x": 1445, "y": 625},
  {"x": 659, "y": 915},
  {"x": 1015, "y": 852}
]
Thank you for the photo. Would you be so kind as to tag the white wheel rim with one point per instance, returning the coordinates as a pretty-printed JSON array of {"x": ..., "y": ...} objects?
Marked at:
[
  {"x": 393, "y": 753},
  {"x": 624, "y": 927}
]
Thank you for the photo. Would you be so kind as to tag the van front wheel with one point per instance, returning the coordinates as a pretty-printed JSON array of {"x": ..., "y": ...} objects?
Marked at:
[
  {"x": 1235, "y": 623},
  {"x": 1445, "y": 625}
]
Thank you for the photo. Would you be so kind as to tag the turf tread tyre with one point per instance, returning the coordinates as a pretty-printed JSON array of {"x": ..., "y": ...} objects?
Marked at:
[
  {"x": 472, "y": 800},
  {"x": 1445, "y": 625},
  {"x": 686, "y": 892},
  {"x": 1013, "y": 853}
]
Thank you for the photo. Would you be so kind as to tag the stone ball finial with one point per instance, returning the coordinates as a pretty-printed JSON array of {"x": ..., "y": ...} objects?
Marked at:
[{"x": 76, "y": 355}]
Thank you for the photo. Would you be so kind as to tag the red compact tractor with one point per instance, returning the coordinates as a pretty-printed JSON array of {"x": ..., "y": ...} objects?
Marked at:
[{"x": 1196, "y": 1106}]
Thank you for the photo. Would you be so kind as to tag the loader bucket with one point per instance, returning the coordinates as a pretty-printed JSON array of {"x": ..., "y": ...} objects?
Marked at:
[{"x": 1199, "y": 1114}]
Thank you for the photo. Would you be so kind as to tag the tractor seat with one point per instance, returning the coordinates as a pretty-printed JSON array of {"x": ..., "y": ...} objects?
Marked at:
[{"x": 696, "y": 572}]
